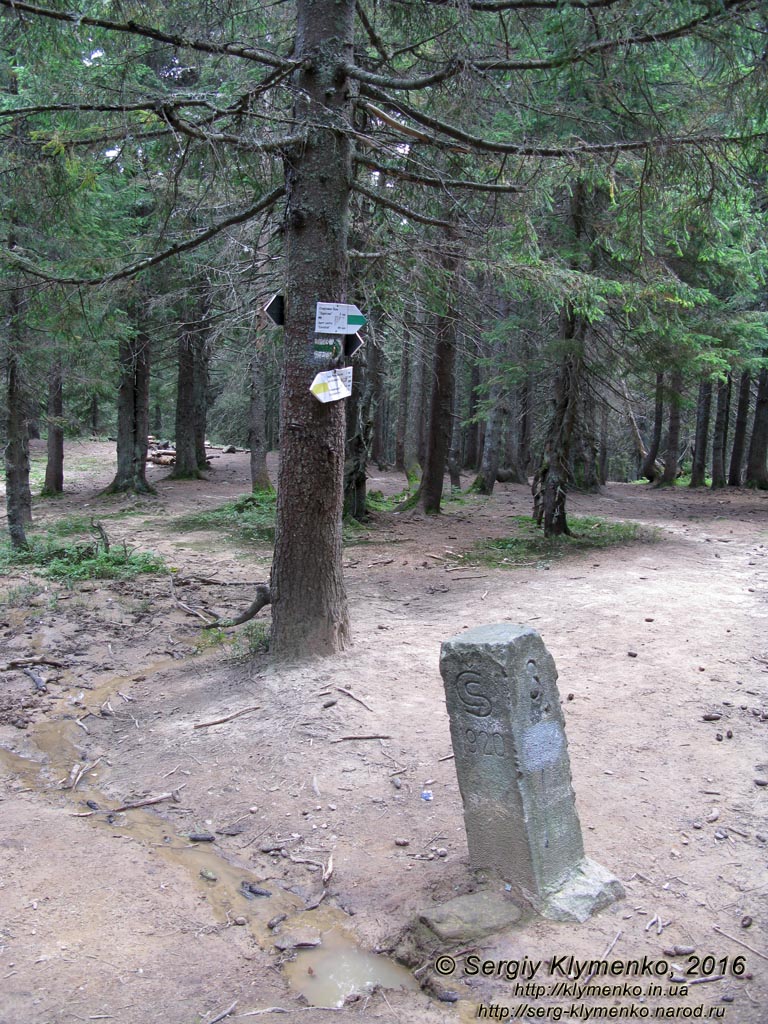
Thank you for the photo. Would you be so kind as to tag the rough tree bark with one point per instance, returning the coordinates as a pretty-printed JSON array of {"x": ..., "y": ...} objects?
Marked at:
[
  {"x": 701, "y": 442},
  {"x": 740, "y": 430},
  {"x": 54, "y": 467},
  {"x": 757, "y": 459},
  {"x": 133, "y": 416},
  {"x": 720, "y": 436},
  {"x": 308, "y": 596}
]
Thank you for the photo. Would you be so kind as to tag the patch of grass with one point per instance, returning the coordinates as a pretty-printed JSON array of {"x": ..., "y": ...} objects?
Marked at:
[
  {"x": 528, "y": 545},
  {"x": 76, "y": 562},
  {"x": 251, "y": 517},
  {"x": 254, "y": 639},
  {"x": 17, "y": 597}
]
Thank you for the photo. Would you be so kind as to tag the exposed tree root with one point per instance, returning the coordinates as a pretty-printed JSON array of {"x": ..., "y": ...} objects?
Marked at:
[{"x": 263, "y": 598}]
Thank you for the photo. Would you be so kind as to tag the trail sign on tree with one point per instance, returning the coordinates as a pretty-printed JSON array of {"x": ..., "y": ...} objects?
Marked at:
[{"x": 338, "y": 318}]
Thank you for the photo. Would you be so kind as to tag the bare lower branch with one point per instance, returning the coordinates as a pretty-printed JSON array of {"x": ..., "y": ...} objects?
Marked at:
[{"x": 404, "y": 211}]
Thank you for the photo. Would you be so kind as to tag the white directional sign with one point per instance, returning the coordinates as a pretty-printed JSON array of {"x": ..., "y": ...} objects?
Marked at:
[
  {"x": 338, "y": 318},
  {"x": 331, "y": 385}
]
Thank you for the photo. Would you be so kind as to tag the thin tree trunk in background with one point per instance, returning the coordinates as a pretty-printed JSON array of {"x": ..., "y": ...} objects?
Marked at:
[
  {"x": 454, "y": 452},
  {"x": 200, "y": 383},
  {"x": 550, "y": 481},
  {"x": 402, "y": 410},
  {"x": 133, "y": 416},
  {"x": 757, "y": 459},
  {"x": 186, "y": 452},
  {"x": 489, "y": 464},
  {"x": 525, "y": 427},
  {"x": 472, "y": 450},
  {"x": 701, "y": 443},
  {"x": 358, "y": 445},
  {"x": 310, "y": 615},
  {"x": 411, "y": 443},
  {"x": 257, "y": 432},
  {"x": 93, "y": 414},
  {"x": 602, "y": 462},
  {"x": 18, "y": 498},
  {"x": 438, "y": 439},
  {"x": 649, "y": 469},
  {"x": 673, "y": 430},
  {"x": 54, "y": 468},
  {"x": 740, "y": 430},
  {"x": 376, "y": 372},
  {"x": 720, "y": 437}
]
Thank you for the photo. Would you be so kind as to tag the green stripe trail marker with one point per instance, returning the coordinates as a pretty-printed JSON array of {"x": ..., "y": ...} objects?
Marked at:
[{"x": 338, "y": 318}]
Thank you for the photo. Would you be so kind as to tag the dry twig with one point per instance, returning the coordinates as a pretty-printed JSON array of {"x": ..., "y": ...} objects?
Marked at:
[
  {"x": 343, "y": 739},
  {"x": 220, "y": 721},
  {"x": 358, "y": 699}
]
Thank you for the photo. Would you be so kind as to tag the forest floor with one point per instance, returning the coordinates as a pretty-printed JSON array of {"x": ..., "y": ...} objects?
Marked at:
[{"x": 120, "y": 916}]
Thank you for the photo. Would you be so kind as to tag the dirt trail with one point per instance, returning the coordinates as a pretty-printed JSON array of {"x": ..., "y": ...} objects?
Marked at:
[{"x": 109, "y": 918}]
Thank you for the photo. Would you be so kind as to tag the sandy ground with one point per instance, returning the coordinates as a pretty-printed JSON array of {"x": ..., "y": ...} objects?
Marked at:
[{"x": 120, "y": 916}]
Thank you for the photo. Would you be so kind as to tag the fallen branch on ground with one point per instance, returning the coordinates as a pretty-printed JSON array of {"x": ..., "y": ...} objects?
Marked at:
[
  {"x": 174, "y": 795},
  {"x": 25, "y": 662},
  {"x": 220, "y": 721}
]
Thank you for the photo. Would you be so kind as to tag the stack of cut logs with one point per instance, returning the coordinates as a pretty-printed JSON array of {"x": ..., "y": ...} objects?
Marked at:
[{"x": 163, "y": 453}]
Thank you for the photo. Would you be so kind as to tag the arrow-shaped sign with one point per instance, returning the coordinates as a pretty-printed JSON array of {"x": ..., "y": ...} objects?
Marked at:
[
  {"x": 338, "y": 318},
  {"x": 275, "y": 310}
]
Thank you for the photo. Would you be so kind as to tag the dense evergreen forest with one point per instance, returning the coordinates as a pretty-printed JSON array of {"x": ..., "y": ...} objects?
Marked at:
[{"x": 551, "y": 212}]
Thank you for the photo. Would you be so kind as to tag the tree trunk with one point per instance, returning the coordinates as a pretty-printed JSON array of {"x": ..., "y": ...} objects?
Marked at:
[
  {"x": 54, "y": 468},
  {"x": 551, "y": 479},
  {"x": 375, "y": 372},
  {"x": 740, "y": 430},
  {"x": 308, "y": 596},
  {"x": 402, "y": 410},
  {"x": 359, "y": 439},
  {"x": 441, "y": 401},
  {"x": 649, "y": 469},
  {"x": 602, "y": 462},
  {"x": 703, "y": 410},
  {"x": 133, "y": 417},
  {"x": 720, "y": 438},
  {"x": 257, "y": 434},
  {"x": 757, "y": 459},
  {"x": 186, "y": 451},
  {"x": 18, "y": 498},
  {"x": 525, "y": 427},
  {"x": 414, "y": 420},
  {"x": 472, "y": 450},
  {"x": 93, "y": 414},
  {"x": 200, "y": 396},
  {"x": 454, "y": 452},
  {"x": 673, "y": 430}
]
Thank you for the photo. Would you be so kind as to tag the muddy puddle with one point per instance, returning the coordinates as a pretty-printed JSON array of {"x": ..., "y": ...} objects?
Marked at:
[{"x": 323, "y": 962}]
